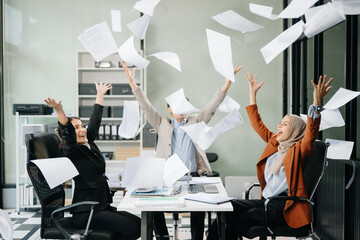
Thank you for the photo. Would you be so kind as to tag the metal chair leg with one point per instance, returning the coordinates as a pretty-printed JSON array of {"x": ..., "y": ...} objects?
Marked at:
[{"x": 175, "y": 226}]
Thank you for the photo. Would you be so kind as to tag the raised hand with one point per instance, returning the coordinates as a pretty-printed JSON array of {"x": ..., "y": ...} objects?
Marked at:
[
  {"x": 227, "y": 84},
  {"x": 57, "y": 106},
  {"x": 130, "y": 76},
  {"x": 102, "y": 88},
  {"x": 320, "y": 89},
  {"x": 254, "y": 86}
]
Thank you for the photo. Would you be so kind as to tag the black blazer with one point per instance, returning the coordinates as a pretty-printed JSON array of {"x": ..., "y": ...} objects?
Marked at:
[{"x": 90, "y": 184}]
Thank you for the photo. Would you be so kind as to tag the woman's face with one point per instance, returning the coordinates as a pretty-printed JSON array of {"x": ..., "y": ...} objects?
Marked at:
[
  {"x": 80, "y": 131},
  {"x": 283, "y": 129}
]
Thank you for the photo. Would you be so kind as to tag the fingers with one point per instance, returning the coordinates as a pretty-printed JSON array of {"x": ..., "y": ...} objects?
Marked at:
[
  {"x": 237, "y": 68},
  {"x": 328, "y": 83},
  {"x": 262, "y": 83}
]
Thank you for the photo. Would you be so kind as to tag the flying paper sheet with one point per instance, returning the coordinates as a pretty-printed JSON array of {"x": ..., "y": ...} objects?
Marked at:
[
  {"x": 329, "y": 118},
  {"x": 220, "y": 53},
  {"x": 99, "y": 41},
  {"x": 339, "y": 149},
  {"x": 174, "y": 169},
  {"x": 263, "y": 11},
  {"x": 6, "y": 226},
  {"x": 116, "y": 20},
  {"x": 281, "y": 42},
  {"x": 129, "y": 54},
  {"x": 348, "y": 7},
  {"x": 179, "y": 104},
  {"x": 204, "y": 135},
  {"x": 170, "y": 58},
  {"x": 340, "y": 98},
  {"x": 232, "y": 20},
  {"x": 139, "y": 26},
  {"x": 129, "y": 127},
  {"x": 56, "y": 170},
  {"x": 144, "y": 172},
  {"x": 318, "y": 19},
  {"x": 146, "y": 6},
  {"x": 228, "y": 105}
]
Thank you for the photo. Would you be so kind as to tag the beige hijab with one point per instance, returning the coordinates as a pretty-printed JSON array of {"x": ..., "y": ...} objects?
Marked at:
[{"x": 297, "y": 131}]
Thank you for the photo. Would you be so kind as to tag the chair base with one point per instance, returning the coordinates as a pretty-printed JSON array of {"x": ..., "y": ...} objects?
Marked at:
[{"x": 283, "y": 231}]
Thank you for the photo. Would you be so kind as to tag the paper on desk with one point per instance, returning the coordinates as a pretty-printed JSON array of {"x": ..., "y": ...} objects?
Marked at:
[
  {"x": 116, "y": 20},
  {"x": 263, "y": 11},
  {"x": 174, "y": 169},
  {"x": 339, "y": 149},
  {"x": 228, "y": 105},
  {"x": 209, "y": 198},
  {"x": 220, "y": 53},
  {"x": 144, "y": 172},
  {"x": 179, "y": 104},
  {"x": 146, "y": 6},
  {"x": 204, "y": 135},
  {"x": 99, "y": 41},
  {"x": 204, "y": 180},
  {"x": 318, "y": 19},
  {"x": 329, "y": 118},
  {"x": 139, "y": 26},
  {"x": 129, "y": 54},
  {"x": 6, "y": 226},
  {"x": 233, "y": 20},
  {"x": 129, "y": 127},
  {"x": 281, "y": 42},
  {"x": 56, "y": 170},
  {"x": 340, "y": 98},
  {"x": 170, "y": 58},
  {"x": 349, "y": 7}
]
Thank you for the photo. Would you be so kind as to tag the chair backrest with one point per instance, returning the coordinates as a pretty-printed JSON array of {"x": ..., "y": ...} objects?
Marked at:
[
  {"x": 42, "y": 145},
  {"x": 315, "y": 167}
]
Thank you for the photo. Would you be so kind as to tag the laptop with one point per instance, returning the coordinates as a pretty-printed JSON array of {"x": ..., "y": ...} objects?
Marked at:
[{"x": 197, "y": 188}]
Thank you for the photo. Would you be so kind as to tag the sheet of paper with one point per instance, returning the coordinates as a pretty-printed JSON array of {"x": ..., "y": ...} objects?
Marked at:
[
  {"x": 321, "y": 18},
  {"x": 129, "y": 126},
  {"x": 6, "y": 226},
  {"x": 339, "y": 149},
  {"x": 340, "y": 98},
  {"x": 146, "y": 6},
  {"x": 116, "y": 20},
  {"x": 174, "y": 169},
  {"x": 296, "y": 8},
  {"x": 228, "y": 105},
  {"x": 139, "y": 26},
  {"x": 179, "y": 104},
  {"x": 170, "y": 58},
  {"x": 143, "y": 172},
  {"x": 56, "y": 170},
  {"x": 99, "y": 41},
  {"x": 263, "y": 11},
  {"x": 230, "y": 121},
  {"x": 329, "y": 118},
  {"x": 204, "y": 180},
  {"x": 233, "y": 20},
  {"x": 348, "y": 7},
  {"x": 281, "y": 42},
  {"x": 220, "y": 53},
  {"x": 129, "y": 54}
]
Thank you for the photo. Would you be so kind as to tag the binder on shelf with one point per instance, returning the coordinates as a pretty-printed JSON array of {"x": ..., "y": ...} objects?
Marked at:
[
  {"x": 107, "y": 132},
  {"x": 114, "y": 132},
  {"x": 101, "y": 133}
]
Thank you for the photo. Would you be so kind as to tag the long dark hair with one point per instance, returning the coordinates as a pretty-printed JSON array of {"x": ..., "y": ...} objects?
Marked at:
[{"x": 59, "y": 130}]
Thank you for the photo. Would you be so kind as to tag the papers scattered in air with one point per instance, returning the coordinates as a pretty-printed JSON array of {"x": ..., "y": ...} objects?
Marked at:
[
  {"x": 129, "y": 127},
  {"x": 129, "y": 54},
  {"x": 320, "y": 18},
  {"x": 281, "y": 42},
  {"x": 179, "y": 104},
  {"x": 263, "y": 11},
  {"x": 174, "y": 170},
  {"x": 232, "y": 20},
  {"x": 6, "y": 226},
  {"x": 339, "y": 149},
  {"x": 228, "y": 105},
  {"x": 340, "y": 98},
  {"x": 139, "y": 26},
  {"x": 170, "y": 58},
  {"x": 204, "y": 135},
  {"x": 116, "y": 20},
  {"x": 329, "y": 118},
  {"x": 349, "y": 7},
  {"x": 56, "y": 170},
  {"x": 209, "y": 198},
  {"x": 99, "y": 41},
  {"x": 146, "y": 6},
  {"x": 220, "y": 53}
]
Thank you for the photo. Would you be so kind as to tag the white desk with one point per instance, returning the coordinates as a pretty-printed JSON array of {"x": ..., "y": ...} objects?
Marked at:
[{"x": 127, "y": 204}]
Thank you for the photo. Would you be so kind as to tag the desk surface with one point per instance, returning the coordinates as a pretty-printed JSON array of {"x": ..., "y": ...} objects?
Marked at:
[{"x": 127, "y": 203}]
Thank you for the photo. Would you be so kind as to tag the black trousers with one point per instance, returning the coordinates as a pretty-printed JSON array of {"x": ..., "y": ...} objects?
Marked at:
[
  {"x": 124, "y": 224},
  {"x": 248, "y": 213},
  {"x": 196, "y": 221}
]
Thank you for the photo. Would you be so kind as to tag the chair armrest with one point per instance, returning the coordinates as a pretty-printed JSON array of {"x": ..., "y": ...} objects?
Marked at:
[
  {"x": 58, "y": 225},
  {"x": 248, "y": 189}
]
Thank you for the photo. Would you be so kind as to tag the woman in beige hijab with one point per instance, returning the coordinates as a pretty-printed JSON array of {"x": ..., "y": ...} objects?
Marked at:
[{"x": 279, "y": 169}]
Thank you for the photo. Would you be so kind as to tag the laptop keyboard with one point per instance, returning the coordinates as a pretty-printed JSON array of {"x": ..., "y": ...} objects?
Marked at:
[{"x": 196, "y": 188}]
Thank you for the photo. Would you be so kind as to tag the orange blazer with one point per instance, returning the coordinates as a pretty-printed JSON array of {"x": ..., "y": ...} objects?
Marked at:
[{"x": 296, "y": 214}]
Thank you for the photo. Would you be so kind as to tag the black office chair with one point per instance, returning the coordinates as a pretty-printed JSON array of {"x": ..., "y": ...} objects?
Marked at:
[
  {"x": 53, "y": 223},
  {"x": 313, "y": 172},
  {"x": 212, "y": 157}
]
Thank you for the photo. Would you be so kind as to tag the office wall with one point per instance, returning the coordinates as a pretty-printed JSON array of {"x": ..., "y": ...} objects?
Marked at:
[{"x": 41, "y": 42}]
